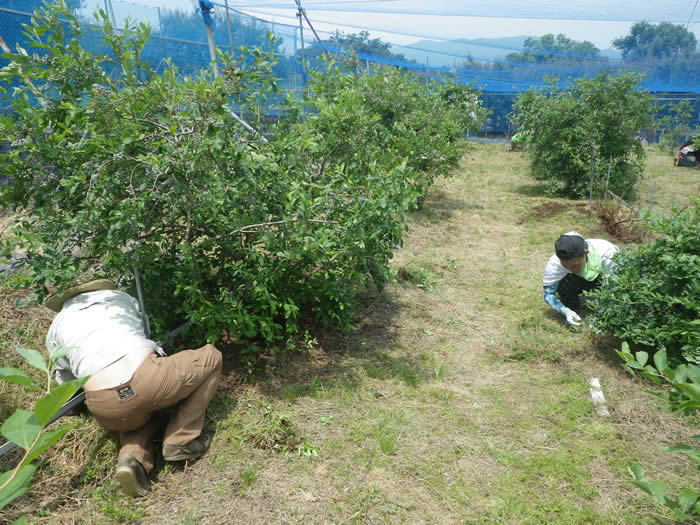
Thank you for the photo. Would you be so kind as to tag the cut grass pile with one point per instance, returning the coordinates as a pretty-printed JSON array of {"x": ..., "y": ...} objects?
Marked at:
[{"x": 458, "y": 397}]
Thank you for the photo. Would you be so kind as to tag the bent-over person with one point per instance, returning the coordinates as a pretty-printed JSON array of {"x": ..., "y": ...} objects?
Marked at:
[
  {"x": 130, "y": 378},
  {"x": 577, "y": 265}
]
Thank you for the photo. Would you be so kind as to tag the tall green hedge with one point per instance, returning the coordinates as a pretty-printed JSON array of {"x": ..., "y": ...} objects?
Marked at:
[{"x": 149, "y": 170}]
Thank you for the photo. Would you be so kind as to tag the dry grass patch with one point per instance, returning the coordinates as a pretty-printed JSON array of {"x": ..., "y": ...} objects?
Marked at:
[
  {"x": 621, "y": 223},
  {"x": 457, "y": 397}
]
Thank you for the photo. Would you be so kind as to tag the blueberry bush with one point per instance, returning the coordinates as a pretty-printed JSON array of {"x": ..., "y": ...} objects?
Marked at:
[
  {"x": 241, "y": 236},
  {"x": 653, "y": 299},
  {"x": 591, "y": 126}
]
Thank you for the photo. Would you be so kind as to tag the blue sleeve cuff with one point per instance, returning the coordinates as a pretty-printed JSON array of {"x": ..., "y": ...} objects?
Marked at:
[{"x": 551, "y": 299}]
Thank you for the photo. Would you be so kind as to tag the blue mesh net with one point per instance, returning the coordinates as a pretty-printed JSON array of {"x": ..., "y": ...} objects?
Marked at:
[{"x": 500, "y": 70}]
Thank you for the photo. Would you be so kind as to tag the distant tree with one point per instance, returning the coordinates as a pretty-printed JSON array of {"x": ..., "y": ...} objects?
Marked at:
[
  {"x": 662, "y": 41},
  {"x": 189, "y": 25},
  {"x": 362, "y": 44},
  {"x": 676, "y": 123},
  {"x": 470, "y": 63},
  {"x": 550, "y": 48}
]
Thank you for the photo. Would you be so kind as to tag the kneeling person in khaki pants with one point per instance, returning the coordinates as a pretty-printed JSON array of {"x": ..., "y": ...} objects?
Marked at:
[{"x": 129, "y": 380}]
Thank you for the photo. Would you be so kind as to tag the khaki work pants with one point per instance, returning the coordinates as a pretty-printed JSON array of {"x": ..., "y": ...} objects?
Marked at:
[{"x": 189, "y": 378}]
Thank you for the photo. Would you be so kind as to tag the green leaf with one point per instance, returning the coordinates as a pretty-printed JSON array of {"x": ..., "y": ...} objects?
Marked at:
[
  {"x": 58, "y": 353},
  {"x": 660, "y": 360},
  {"x": 20, "y": 521},
  {"x": 21, "y": 428},
  {"x": 636, "y": 471},
  {"x": 17, "y": 486},
  {"x": 691, "y": 390},
  {"x": 643, "y": 484},
  {"x": 642, "y": 358},
  {"x": 14, "y": 375},
  {"x": 686, "y": 498},
  {"x": 658, "y": 488},
  {"x": 46, "y": 440},
  {"x": 650, "y": 370},
  {"x": 34, "y": 358},
  {"x": 681, "y": 516},
  {"x": 47, "y": 406},
  {"x": 651, "y": 377},
  {"x": 626, "y": 356},
  {"x": 669, "y": 373},
  {"x": 678, "y": 448},
  {"x": 680, "y": 374},
  {"x": 693, "y": 372}
]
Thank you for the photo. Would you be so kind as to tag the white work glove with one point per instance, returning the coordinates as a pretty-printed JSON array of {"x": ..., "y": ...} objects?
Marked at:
[{"x": 572, "y": 317}]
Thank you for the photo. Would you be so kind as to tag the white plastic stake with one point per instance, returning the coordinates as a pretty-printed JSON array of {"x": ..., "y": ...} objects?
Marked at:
[{"x": 597, "y": 397}]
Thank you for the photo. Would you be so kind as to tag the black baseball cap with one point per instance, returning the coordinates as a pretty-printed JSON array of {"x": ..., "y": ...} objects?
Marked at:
[{"x": 569, "y": 247}]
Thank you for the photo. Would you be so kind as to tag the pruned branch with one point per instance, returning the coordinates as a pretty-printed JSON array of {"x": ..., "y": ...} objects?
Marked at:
[{"x": 251, "y": 228}]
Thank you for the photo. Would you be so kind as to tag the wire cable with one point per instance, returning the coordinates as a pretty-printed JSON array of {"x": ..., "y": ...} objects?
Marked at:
[{"x": 691, "y": 14}]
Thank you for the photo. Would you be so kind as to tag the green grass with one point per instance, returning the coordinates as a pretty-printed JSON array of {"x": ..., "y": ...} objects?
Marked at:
[
  {"x": 248, "y": 478},
  {"x": 115, "y": 506},
  {"x": 457, "y": 397},
  {"x": 664, "y": 185}
]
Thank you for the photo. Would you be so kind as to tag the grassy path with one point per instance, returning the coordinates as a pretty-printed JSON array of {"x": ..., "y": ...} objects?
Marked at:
[{"x": 457, "y": 398}]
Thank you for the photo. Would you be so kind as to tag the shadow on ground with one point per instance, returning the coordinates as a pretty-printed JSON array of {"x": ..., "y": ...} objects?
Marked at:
[
  {"x": 336, "y": 357},
  {"x": 441, "y": 206},
  {"x": 532, "y": 190}
]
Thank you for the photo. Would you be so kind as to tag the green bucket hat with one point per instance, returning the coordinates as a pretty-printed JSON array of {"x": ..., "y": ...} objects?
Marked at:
[{"x": 55, "y": 302}]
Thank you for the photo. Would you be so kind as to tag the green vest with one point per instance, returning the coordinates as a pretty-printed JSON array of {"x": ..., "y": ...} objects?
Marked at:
[
  {"x": 594, "y": 265},
  {"x": 520, "y": 136}
]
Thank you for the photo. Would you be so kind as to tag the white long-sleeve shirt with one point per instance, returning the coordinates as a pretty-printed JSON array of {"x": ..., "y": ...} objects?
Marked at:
[{"x": 99, "y": 328}]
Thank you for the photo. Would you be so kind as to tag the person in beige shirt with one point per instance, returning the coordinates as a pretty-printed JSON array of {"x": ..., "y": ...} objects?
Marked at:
[{"x": 130, "y": 378}]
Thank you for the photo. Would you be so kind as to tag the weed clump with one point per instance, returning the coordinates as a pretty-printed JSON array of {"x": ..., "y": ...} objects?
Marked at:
[
  {"x": 270, "y": 430},
  {"x": 621, "y": 223}
]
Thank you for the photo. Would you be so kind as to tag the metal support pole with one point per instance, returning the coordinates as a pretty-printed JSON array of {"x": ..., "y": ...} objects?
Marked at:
[
  {"x": 303, "y": 12},
  {"x": 296, "y": 73},
  {"x": 160, "y": 30},
  {"x": 248, "y": 126},
  {"x": 205, "y": 7},
  {"x": 110, "y": 13},
  {"x": 228, "y": 25},
  {"x": 651, "y": 199},
  {"x": 212, "y": 54},
  {"x": 301, "y": 29},
  {"x": 139, "y": 292},
  {"x": 212, "y": 50}
]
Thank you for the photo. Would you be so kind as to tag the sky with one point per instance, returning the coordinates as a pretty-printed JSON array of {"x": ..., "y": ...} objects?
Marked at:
[{"x": 403, "y": 22}]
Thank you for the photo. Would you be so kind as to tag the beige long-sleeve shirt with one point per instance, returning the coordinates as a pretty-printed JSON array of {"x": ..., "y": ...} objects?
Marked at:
[{"x": 98, "y": 328}]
